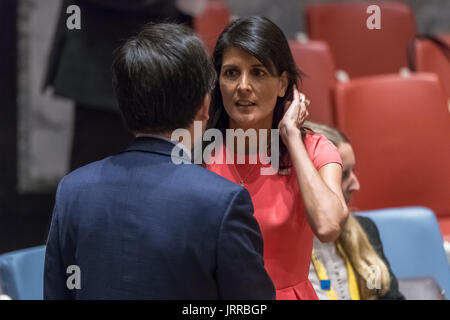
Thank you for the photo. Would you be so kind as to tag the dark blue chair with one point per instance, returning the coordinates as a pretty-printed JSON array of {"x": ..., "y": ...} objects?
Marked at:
[
  {"x": 22, "y": 273},
  {"x": 412, "y": 243}
]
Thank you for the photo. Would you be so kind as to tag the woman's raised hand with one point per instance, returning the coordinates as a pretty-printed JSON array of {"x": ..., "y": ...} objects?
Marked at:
[{"x": 295, "y": 114}]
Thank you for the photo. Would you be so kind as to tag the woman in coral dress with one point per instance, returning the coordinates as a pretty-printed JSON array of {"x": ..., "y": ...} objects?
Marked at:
[{"x": 257, "y": 90}]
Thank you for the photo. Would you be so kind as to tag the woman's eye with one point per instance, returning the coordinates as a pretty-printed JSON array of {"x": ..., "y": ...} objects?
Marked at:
[
  {"x": 345, "y": 174},
  {"x": 259, "y": 73},
  {"x": 230, "y": 73}
]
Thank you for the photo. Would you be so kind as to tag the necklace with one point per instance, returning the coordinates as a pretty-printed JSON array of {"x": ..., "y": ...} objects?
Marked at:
[{"x": 243, "y": 180}]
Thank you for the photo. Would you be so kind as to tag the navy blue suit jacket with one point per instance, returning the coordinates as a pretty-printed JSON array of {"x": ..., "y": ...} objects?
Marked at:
[{"x": 140, "y": 227}]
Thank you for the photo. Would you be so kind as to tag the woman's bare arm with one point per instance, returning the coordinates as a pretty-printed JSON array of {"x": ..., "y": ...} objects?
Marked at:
[{"x": 320, "y": 190}]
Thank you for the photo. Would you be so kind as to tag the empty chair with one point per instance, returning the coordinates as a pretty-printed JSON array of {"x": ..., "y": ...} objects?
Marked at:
[
  {"x": 400, "y": 132},
  {"x": 210, "y": 24},
  {"x": 22, "y": 273},
  {"x": 315, "y": 60},
  {"x": 430, "y": 56},
  {"x": 357, "y": 49},
  {"x": 412, "y": 243}
]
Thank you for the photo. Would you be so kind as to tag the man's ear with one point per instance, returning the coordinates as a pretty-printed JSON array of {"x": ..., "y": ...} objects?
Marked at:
[
  {"x": 283, "y": 84},
  {"x": 203, "y": 112}
]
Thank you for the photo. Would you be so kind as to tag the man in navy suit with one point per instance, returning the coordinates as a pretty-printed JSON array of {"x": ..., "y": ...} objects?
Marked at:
[{"x": 136, "y": 225}]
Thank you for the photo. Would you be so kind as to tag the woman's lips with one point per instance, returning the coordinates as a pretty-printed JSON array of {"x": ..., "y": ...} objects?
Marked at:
[{"x": 244, "y": 103}]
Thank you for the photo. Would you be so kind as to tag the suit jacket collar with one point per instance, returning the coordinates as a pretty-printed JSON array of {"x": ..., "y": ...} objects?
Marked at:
[{"x": 158, "y": 146}]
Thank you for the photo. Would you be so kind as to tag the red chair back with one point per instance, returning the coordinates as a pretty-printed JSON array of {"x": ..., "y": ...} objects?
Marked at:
[
  {"x": 446, "y": 38},
  {"x": 315, "y": 60},
  {"x": 210, "y": 24},
  {"x": 400, "y": 131},
  {"x": 356, "y": 49},
  {"x": 430, "y": 58}
]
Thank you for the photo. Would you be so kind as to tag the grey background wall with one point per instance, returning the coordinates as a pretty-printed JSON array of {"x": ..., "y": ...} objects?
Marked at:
[{"x": 45, "y": 121}]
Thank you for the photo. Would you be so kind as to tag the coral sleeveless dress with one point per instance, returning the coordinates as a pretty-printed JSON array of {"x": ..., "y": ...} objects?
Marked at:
[{"x": 279, "y": 210}]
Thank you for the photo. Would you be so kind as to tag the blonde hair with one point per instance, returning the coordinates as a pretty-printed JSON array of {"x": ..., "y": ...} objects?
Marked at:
[
  {"x": 364, "y": 259},
  {"x": 353, "y": 242}
]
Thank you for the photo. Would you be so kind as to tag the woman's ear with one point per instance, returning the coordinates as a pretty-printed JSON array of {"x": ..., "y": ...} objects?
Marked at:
[{"x": 283, "y": 84}]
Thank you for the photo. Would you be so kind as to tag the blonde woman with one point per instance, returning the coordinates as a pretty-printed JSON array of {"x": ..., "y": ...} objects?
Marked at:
[{"x": 354, "y": 266}]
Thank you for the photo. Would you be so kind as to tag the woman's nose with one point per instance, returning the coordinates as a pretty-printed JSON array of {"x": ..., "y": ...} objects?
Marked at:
[
  {"x": 244, "y": 83},
  {"x": 354, "y": 185}
]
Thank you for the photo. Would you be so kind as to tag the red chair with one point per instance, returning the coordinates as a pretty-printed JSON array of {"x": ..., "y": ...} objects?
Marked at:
[
  {"x": 446, "y": 38},
  {"x": 400, "y": 131},
  {"x": 429, "y": 57},
  {"x": 315, "y": 60},
  {"x": 356, "y": 49},
  {"x": 210, "y": 24}
]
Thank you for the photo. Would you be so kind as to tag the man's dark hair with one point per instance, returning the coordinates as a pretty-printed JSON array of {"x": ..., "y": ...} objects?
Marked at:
[{"x": 161, "y": 77}]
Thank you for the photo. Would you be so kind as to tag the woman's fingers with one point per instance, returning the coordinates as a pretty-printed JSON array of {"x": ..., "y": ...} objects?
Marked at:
[
  {"x": 301, "y": 96},
  {"x": 295, "y": 103},
  {"x": 296, "y": 94},
  {"x": 303, "y": 111},
  {"x": 295, "y": 111},
  {"x": 287, "y": 105}
]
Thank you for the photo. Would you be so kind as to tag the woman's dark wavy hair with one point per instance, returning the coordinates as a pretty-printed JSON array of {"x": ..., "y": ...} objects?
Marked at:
[{"x": 264, "y": 40}]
